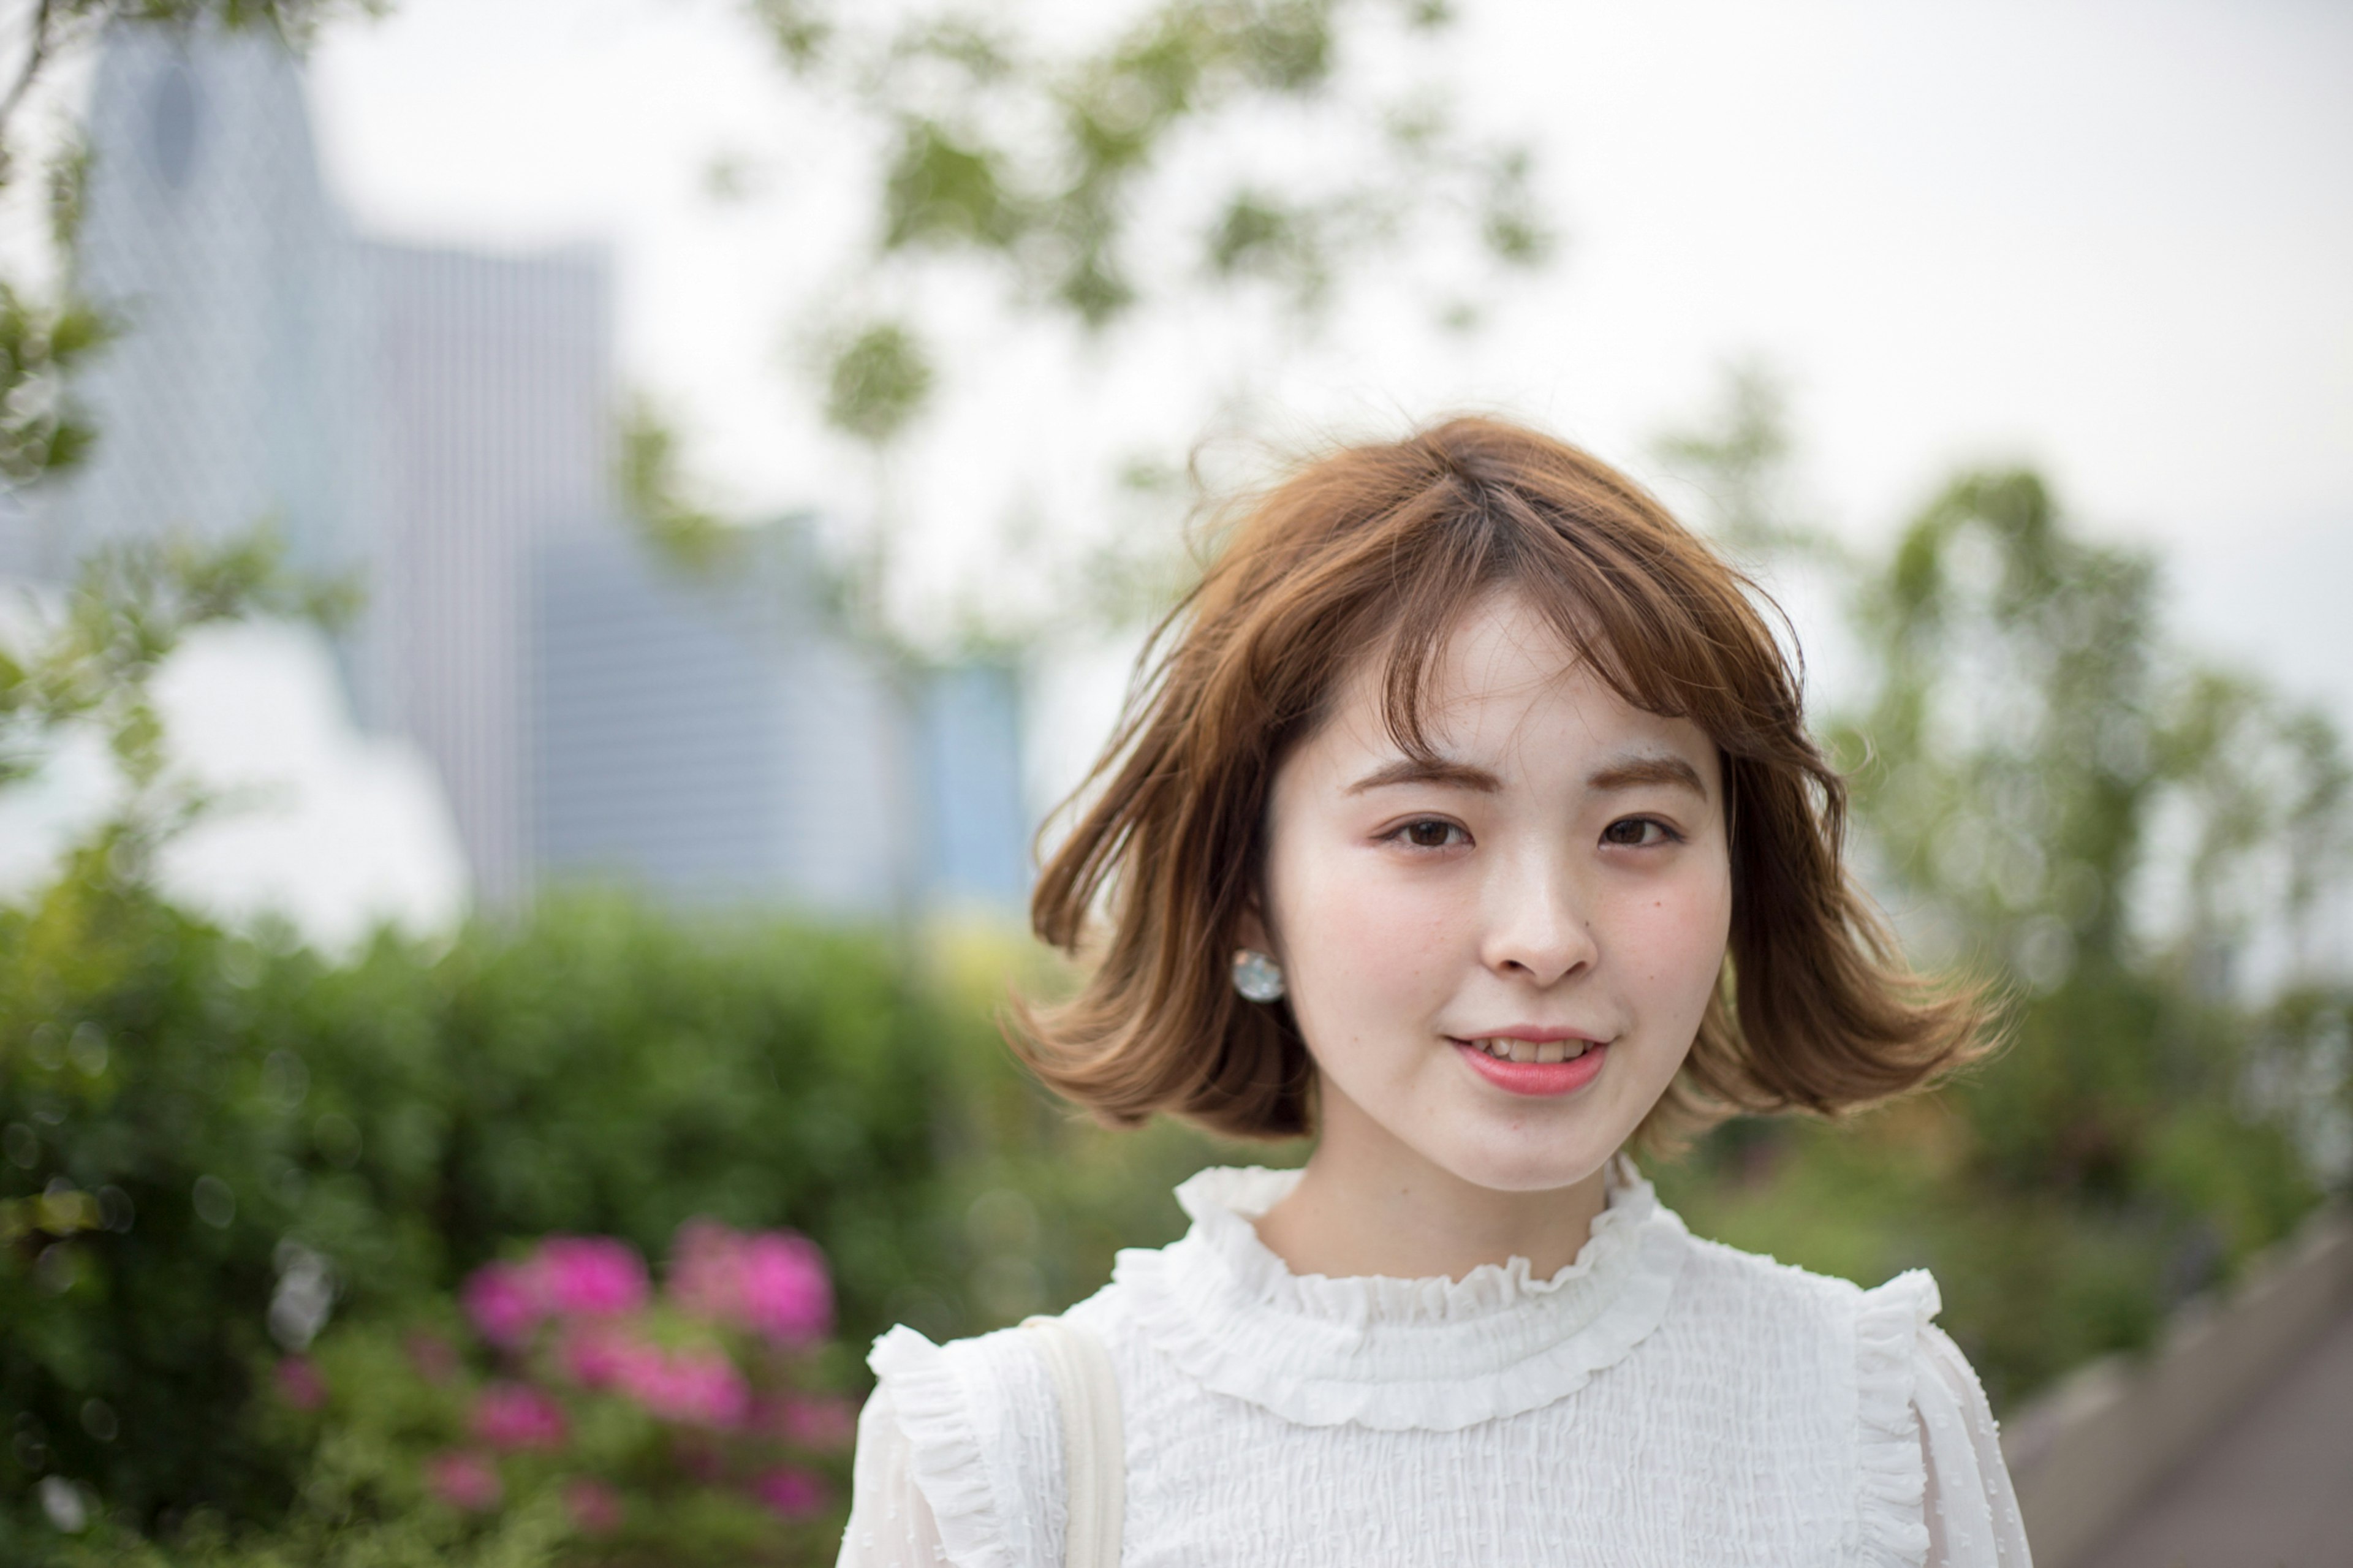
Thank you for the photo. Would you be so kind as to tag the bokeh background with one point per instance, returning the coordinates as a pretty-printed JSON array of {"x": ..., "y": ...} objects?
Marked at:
[{"x": 559, "y": 555}]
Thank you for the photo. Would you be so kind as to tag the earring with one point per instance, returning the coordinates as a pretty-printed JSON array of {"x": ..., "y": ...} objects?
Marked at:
[{"x": 1257, "y": 977}]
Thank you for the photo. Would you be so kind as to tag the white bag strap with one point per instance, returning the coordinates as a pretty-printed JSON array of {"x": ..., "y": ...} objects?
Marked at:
[{"x": 1095, "y": 1453}]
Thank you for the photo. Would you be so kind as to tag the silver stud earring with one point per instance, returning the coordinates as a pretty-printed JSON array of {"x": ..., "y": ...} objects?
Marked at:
[{"x": 1257, "y": 977}]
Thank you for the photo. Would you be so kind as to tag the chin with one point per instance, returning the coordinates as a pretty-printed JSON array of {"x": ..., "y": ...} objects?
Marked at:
[{"x": 1532, "y": 1171}]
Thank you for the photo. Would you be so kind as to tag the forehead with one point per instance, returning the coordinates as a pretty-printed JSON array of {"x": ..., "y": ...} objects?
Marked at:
[{"x": 1502, "y": 678}]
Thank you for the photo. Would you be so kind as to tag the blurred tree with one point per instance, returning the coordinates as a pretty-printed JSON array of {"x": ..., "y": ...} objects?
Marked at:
[
  {"x": 90, "y": 665},
  {"x": 1249, "y": 153},
  {"x": 2036, "y": 764}
]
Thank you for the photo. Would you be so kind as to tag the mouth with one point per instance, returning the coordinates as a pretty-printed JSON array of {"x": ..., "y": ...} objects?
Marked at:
[{"x": 1535, "y": 1068}]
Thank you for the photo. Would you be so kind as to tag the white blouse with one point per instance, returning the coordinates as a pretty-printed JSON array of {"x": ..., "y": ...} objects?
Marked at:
[{"x": 1661, "y": 1400}]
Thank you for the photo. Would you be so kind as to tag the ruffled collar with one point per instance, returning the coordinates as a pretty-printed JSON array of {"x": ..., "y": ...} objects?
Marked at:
[{"x": 1396, "y": 1354}]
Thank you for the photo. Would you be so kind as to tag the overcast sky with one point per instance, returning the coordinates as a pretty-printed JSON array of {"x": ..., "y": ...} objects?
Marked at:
[{"x": 2115, "y": 239}]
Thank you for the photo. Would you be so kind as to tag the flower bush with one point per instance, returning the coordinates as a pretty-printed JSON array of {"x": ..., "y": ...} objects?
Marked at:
[{"x": 705, "y": 1422}]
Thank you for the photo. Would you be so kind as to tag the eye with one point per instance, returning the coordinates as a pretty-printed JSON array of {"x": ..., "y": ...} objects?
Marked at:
[
  {"x": 1640, "y": 833},
  {"x": 1428, "y": 833}
]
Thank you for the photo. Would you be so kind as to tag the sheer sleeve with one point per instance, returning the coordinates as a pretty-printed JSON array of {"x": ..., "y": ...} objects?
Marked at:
[
  {"x": 1969, "y": 1506},
  {"x": 891, "y": 1525}
]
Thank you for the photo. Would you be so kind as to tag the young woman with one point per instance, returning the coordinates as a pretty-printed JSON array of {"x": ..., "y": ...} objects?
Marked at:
[{"x": 1469, "y": 824}]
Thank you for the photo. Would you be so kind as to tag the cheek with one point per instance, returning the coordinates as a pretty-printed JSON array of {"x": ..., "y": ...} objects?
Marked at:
[
  {"x": 1359, "y": 937},
  {"x": 1673, "y": 937}
]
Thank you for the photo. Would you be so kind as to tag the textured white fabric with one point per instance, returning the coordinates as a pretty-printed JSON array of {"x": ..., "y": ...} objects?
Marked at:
[{"x": 1662, "y": 1400}]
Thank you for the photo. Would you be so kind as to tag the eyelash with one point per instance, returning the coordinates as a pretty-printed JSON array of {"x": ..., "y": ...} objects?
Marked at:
[
  {"x": 1397, "y": 834},
  {"x": 1666, "y": 835}
]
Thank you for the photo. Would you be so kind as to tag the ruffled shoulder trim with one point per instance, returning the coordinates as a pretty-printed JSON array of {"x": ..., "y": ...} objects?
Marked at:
[
  {"x": 947, "y": 1460},
  {"x": 1888, "y": 1322}
]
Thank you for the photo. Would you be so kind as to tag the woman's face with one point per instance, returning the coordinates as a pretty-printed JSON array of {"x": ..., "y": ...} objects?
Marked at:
[{"x": 1498, "y": 963}]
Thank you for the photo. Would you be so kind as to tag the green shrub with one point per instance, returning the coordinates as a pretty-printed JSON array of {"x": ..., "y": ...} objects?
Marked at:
[{"x": 199, "y": 1127}]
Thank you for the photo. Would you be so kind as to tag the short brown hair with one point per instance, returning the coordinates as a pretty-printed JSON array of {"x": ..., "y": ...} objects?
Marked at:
[{"x": 1389, "y": 545}]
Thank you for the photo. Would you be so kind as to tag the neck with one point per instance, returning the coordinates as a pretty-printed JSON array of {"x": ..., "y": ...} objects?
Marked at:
[{"x": 1361, "y": 1209}]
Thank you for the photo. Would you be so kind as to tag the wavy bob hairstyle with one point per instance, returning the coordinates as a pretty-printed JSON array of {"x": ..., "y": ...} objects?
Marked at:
[{"x": 1379, "y": 551}]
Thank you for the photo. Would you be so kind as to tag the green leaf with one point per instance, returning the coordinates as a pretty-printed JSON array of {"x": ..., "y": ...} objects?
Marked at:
[
  {"x": 941, "y": 192},
  {"x": 878, "y": 384}
]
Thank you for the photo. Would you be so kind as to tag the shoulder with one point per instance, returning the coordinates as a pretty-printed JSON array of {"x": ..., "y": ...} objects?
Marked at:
[
  {"x": 1877, "y": 1363},
  {"x": 984, "y": 1441},
  {"x": 1884, "y": 1336},
  {"x": 1730, "y": 1290}
]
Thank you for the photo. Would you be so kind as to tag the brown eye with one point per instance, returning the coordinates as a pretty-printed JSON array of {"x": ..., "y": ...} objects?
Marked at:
[
  {"x": 1636, "y": 832},
  {"x": 1428, "y": 834}
]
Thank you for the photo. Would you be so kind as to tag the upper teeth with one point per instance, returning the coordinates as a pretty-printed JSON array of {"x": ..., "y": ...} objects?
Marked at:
[{"x": 1505, "y": 1048}]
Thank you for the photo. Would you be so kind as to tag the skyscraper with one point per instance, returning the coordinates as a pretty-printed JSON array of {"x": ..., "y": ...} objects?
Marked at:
[
  {"x": 706, "y": 733},
  {"x": 491, "y": 390},
  {"x": 436, "y": 422},
  {"x": 237, "y": 392}
]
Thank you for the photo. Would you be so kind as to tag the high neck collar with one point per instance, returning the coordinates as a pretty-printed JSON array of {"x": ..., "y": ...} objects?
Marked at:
[{"x": 1392, "y": 1354}]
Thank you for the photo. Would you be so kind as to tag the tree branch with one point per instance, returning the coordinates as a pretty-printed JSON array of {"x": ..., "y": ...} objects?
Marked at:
[{"x": 37, "y": 55}]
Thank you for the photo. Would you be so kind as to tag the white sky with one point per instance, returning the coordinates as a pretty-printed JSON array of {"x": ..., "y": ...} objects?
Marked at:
[{"x": 2113, "y": 239}]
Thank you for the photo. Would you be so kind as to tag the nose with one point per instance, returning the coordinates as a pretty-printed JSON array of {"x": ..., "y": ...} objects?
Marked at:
[{"x": 1539, "y": 924}]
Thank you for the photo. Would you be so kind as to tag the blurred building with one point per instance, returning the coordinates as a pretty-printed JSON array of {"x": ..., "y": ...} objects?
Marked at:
[
  {"x": 238, "y": 391},
  {"x": 437, "y": 423},
  {"x": 702, "y": 732},
  {"x": 489, "y": 396}
]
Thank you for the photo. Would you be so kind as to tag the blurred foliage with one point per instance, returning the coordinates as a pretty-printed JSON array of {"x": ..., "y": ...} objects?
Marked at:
[
  {"x": 189, "y": 1114},
  {"x": 1082, "y": 170},
  {"x": 213, "y": 1143},
  {"x": 877, "y": 382},
  {"x": 655, "y": 489},
  {"x": 41, "y": 344},
  {"x": 1074, "y": 171},
  {"x": 89, "y": 667},
  {"x": 1037, "y": 162},
  {"x": 2034, "y": 758}
]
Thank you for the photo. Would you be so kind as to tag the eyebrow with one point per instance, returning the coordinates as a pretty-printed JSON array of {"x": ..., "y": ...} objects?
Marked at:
[
  {"x": 1627, "y": 773},
  {"x": 1427, "y": 771},
  {"x": 1634, "y": 772}
]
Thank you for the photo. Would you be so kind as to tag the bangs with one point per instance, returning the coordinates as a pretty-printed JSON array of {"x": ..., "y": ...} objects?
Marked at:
[{"x": 1681, "y": 646}]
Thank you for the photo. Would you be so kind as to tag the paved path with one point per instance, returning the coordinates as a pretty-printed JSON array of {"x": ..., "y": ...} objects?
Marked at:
[{"x": 2273, "y": 1490}]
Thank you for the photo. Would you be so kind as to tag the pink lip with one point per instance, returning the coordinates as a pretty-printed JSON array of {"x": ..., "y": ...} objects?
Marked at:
[
  {"x": 1539, "y": 1080},
  {"x": 1535, "y": 1033}
]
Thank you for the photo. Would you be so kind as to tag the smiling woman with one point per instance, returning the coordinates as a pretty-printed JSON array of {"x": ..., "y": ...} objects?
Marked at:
[
  {"x": 1469, "y": 822},
  {"x": 1500, "y": 957}
]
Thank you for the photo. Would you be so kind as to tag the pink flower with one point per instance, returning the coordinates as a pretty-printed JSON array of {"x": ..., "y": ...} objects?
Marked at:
[
  {"x": 787, "y": 1294},
  {"x": 514, "y": 1415},
  {"x": 463, "y": 1479},
  {"x": 589, "y": 1276},
  {"x": 596, "y": 1507},
  {"x": 701, "y": 1387},
  {"x": 828, "y": 1423},
  {"x": 774, "y": 1283},
  {"x": 567, "y": 1277},
  {"x": 299, "y": 1384},
  {"x": 598, "y": 1355},
  {"x": 791, "y": 1491},
  {"x": 504, "y": 1302}
]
